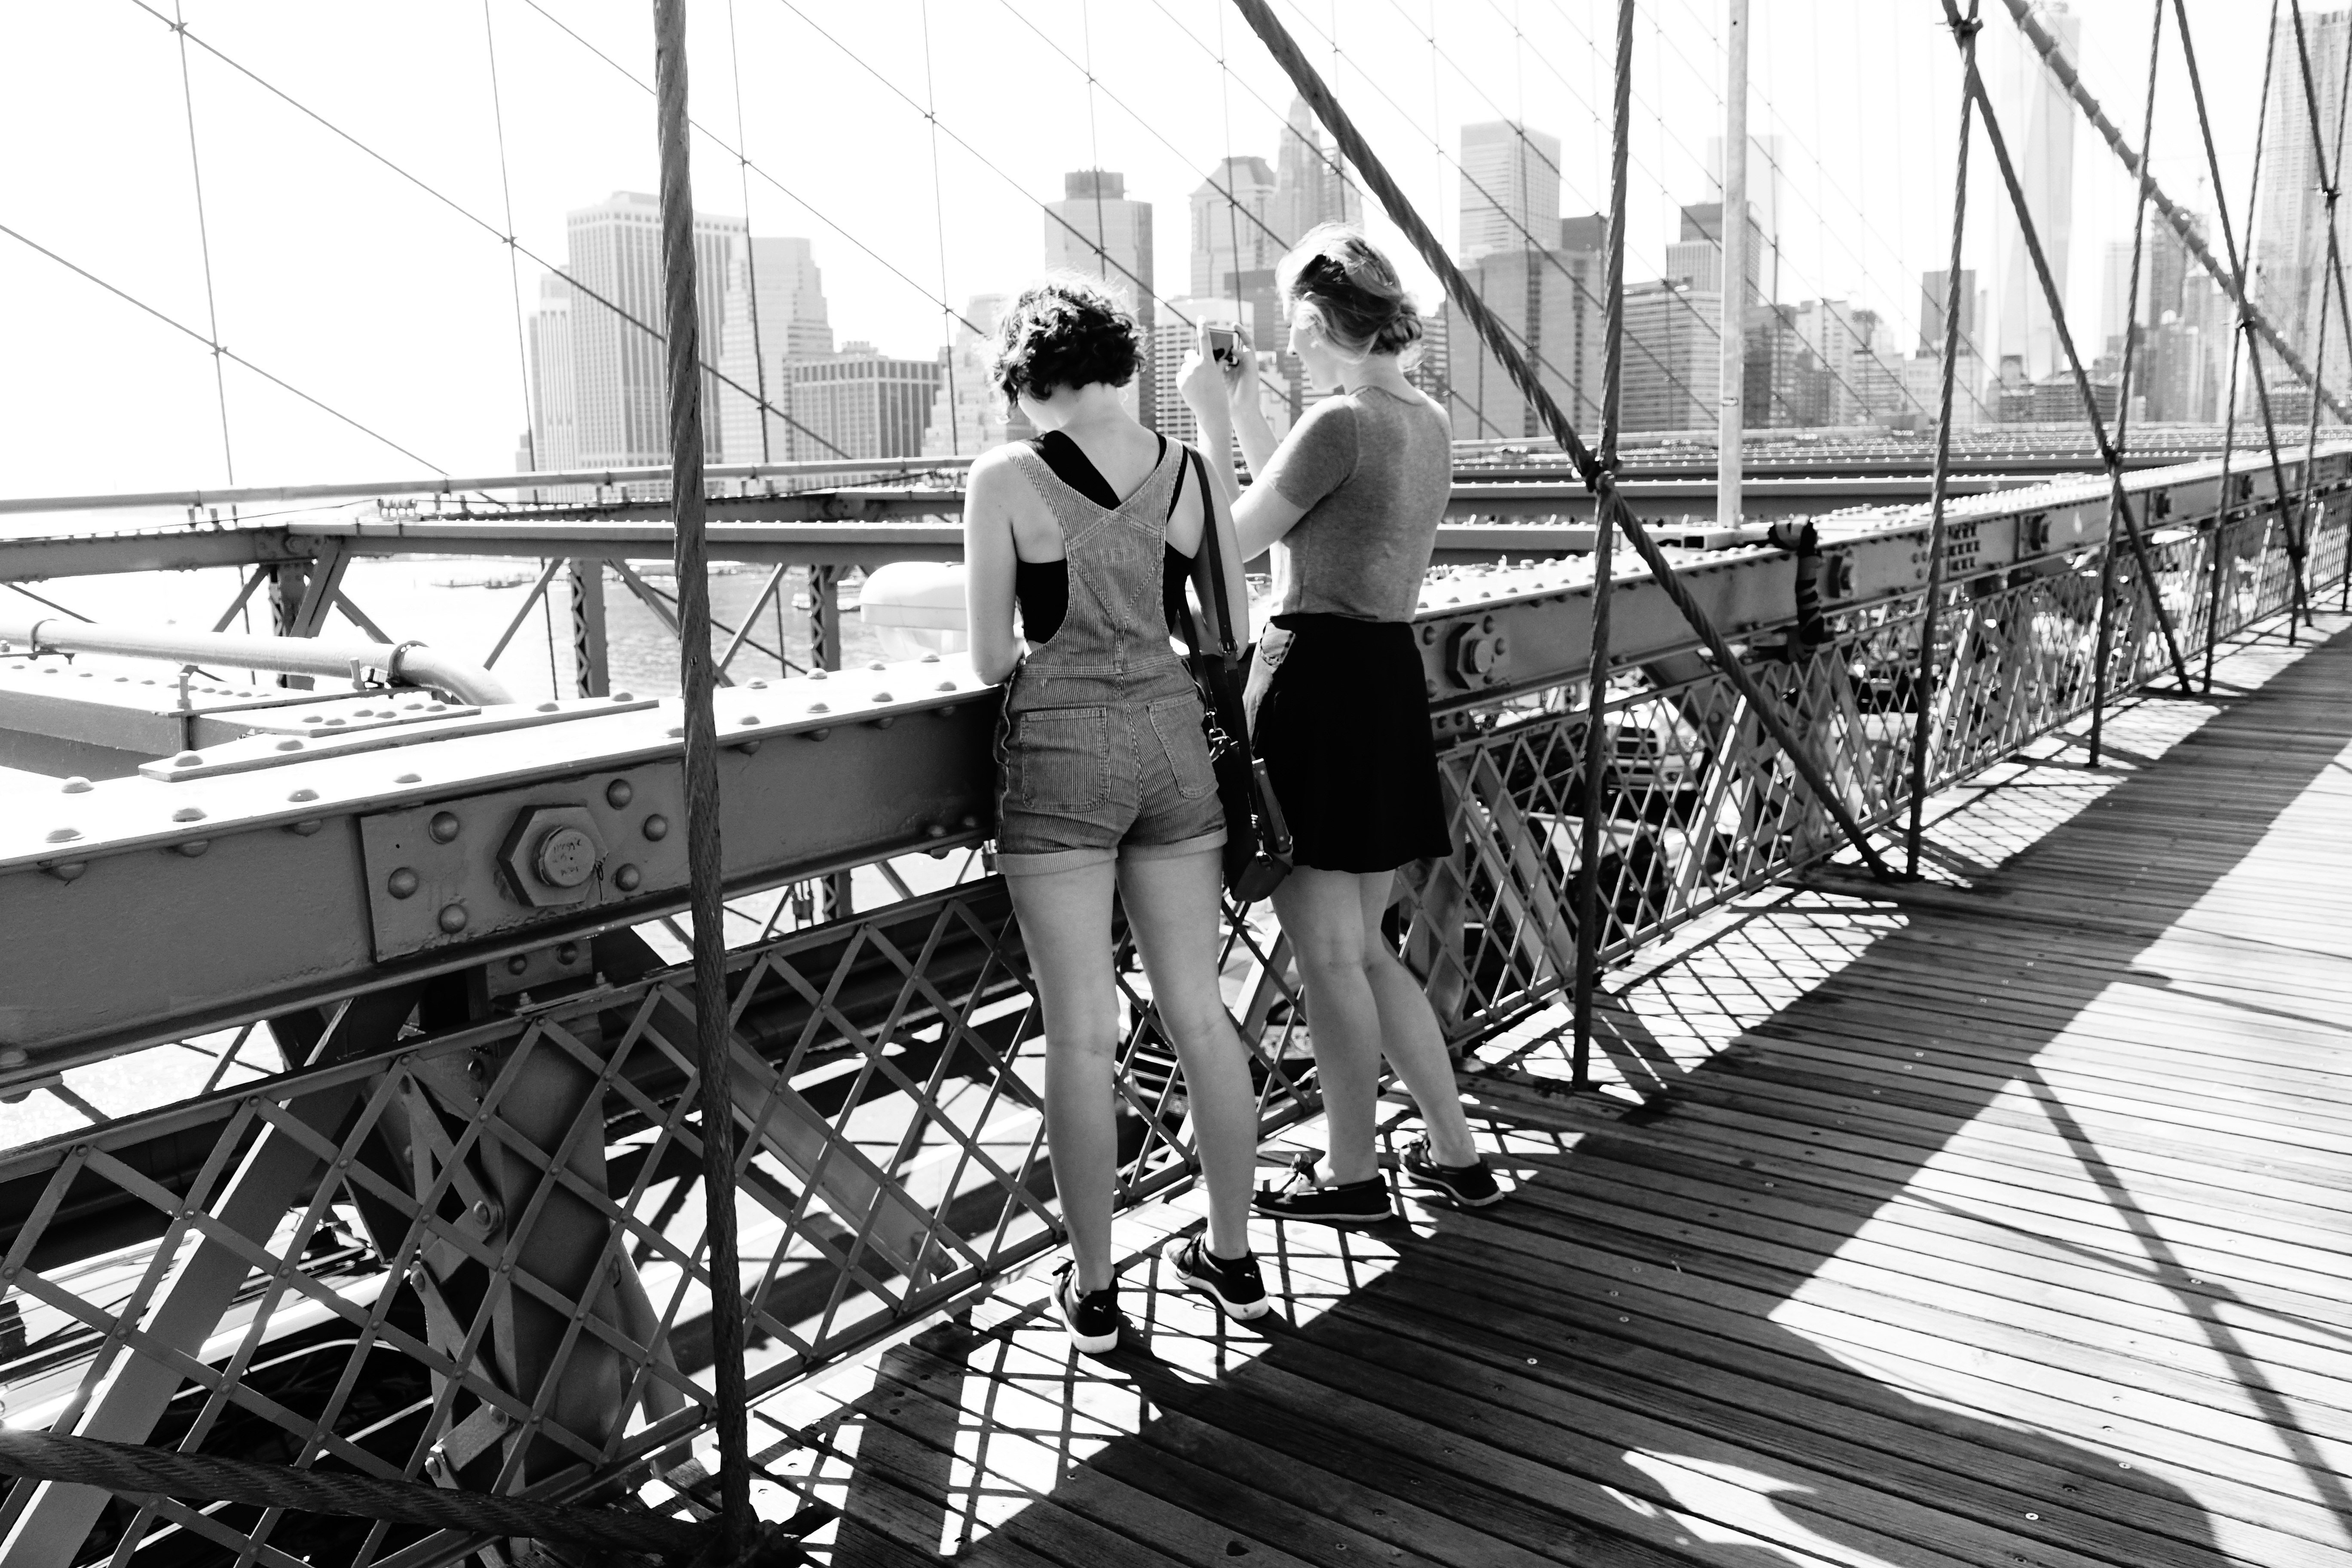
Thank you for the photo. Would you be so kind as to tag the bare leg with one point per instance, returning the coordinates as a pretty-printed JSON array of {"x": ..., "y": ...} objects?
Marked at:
[
  {"x": 1171, "y": 904},
  {"x": 1323, "y": 914},
  {"x": 1065, "y": 925},
  {"x": 1409, "y": 1035}
]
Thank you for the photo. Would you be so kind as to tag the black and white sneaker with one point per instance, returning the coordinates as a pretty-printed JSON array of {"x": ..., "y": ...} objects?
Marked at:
[
  {"x": 1092, "y": 1317},
  {"x": 1471, "y": 1185},
  {"x": 1232, "y": 1282},
  {"x": 1332, "y": 1203}
]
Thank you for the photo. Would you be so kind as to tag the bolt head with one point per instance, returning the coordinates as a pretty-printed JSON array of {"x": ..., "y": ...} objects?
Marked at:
[
  {"x": 657, "y": 827},
  {"x": 619, "y": 792},
  {"x": 402, "y": 883},
  {"x": 566, "y": 857},
  {"x": 444, "y": 826},
  {"x": 453, "y": 918},
  {"x": 628, "y": 879}
]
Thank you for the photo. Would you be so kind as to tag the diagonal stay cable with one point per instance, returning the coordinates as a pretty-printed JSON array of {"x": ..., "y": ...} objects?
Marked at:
[
  {"x": 204, "y": 241},
  {"x": 2051, "y": 294},
  {"x": 218, "y": 349},
  {"x": 461, "y": 210},
  {"x": 1529, "y": 239},
  {"x": 1598, "y": 479},
  {"x": 723, "y": 145},
  {"x": 2243, "y": 327},
  {"x": 983, "y": 159},
  {"x": 2105, "y": 645},
  {"x": 1338, "y": 169},
  {"x": 1528, "y": 144}
]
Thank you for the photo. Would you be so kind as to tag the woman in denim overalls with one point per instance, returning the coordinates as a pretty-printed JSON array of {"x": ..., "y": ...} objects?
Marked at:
[{"x": 1105, "y": 780}]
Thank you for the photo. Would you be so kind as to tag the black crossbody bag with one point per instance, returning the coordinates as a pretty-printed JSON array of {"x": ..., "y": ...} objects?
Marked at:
[{"x": 1257, "y": 841}]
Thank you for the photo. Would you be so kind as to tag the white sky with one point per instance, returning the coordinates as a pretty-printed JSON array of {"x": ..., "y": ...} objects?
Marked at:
[{"x": 355, "y": 286}]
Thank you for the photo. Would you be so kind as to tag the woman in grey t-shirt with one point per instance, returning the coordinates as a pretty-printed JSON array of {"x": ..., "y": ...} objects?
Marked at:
[{"x": 1348, "y": 502}]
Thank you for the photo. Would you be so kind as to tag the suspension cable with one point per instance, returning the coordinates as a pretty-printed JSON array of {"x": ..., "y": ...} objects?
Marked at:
[
  {"x": 219, "y": 349},
  {"x": 1599, "y": 482},
  {"x": 1922, "y": 684},
  {"x": 204, "y": 242},
  {"x": 751, "y": 247},
  {"x": 2104, "y": 643},
  {"x": 2331, "y": 173},
  {"x": 939, "y": 227},
  {"x": 514, "y": 276},
  {"x": 2050, "y": 293}
]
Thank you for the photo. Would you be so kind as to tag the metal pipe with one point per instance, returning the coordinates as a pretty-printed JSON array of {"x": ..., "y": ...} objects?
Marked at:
[{"x": 400, "y": 664}]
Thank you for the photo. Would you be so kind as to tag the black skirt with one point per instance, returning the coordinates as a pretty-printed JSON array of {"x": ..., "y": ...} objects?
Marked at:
[{"x": 1344, "y": 730}]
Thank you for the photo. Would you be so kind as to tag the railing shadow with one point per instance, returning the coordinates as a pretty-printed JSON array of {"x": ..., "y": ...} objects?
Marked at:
[{"x": 1629, "y": 1362}]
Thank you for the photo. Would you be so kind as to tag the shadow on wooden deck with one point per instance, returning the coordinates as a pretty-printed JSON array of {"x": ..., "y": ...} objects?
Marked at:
[{"x": 1998, "y": 1225}]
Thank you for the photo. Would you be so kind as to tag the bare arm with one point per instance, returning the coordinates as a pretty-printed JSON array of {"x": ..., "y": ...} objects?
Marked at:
[
  {"x": 988, "y": 563},
  {"x": 1225, "y": 404}
]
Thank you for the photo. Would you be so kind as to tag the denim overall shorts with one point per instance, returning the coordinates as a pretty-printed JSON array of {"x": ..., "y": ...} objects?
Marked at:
[{"x": 1099, "y": 750}]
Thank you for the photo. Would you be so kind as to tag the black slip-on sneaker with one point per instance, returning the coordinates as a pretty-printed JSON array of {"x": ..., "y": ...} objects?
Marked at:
[
  {"x": 1333, "y": 1202},
  {"x": 1232, "y": 1282},
  {"x": 1471, "y": 1186},
  {"x": 1092, "y": 1316}
]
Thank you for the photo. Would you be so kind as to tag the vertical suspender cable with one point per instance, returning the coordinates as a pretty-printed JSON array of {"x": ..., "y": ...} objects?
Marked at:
[
  {"x": 2056, "y": 297},
  {"x": 2104, "y": 643},
  {"x": 2331, "y": 173},
  {"x": 940, "y": 227},
  {"x": 203, "y": 244},
  {"x": 1589, "y": 913},
  {"x": 1923, "y": 687},
  {"x": 514, "y": 269},
  {"x": 751, "y": 271},
  {"x": 710, "y": 1010},
  {"x": 1731, "y": 425},
  {"x": 2241, "y": 336},
  {"x": 1597, "y": 479}
]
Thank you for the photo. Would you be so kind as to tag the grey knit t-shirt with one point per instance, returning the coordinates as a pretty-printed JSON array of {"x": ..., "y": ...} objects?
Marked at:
[{"x": 1374, "y": 471}]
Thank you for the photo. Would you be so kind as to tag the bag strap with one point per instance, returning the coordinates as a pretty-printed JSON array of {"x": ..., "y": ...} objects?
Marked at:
[{"x": 1213, "y": 552}]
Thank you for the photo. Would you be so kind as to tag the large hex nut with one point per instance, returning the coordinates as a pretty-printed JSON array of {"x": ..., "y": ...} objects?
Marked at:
[
  {"x": 1480, "y": 655},
  {"x": 554, "y": 855}
]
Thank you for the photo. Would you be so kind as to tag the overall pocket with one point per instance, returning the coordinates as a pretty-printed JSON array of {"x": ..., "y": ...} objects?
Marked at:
[
  {"x": 1059, "y": 758},
  {"x": 1176, "y": 720}
]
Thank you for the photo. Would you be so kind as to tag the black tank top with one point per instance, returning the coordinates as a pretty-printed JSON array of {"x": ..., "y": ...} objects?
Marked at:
[{"x": 1042, "y": 588}]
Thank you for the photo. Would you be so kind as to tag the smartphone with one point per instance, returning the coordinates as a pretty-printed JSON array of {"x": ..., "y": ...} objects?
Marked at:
[{"x": 1224, "y": 345}]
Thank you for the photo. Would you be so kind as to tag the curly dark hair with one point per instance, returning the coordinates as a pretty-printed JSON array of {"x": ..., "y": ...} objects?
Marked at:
[{"x": 1068, "y": 330}]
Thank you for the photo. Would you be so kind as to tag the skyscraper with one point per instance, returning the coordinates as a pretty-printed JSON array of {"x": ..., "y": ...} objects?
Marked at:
[
  {"x": 554, "y": 433},
  {"x": 2038, "y": 118},
  {"x": 1673, "y": 362},
  {"x": 1311, "y": 189},
  {"x": 861, "y": 404},
  {"x": 1696, "y": 259},
  {"x": 783, "y": 325},
  {"x": 1236, "y": 226},
  {"x": 1763, "y": 204},
  {"x": 1511, "y": 187},
  {"x": 1548, "y": 300},
  {"x": 620, "y": 392},
  {"x": 1097, "y": 230},
  {"x": 2290, "y": 248},
  {"x": 968, "y": 416},
  {"x": 1935, "y": 288}
]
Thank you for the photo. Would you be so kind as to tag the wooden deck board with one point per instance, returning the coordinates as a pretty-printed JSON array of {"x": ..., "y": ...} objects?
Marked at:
[{"x": 1994, "y": 1220}]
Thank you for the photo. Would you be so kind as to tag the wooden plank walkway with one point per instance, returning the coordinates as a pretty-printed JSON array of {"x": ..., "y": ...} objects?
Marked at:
[{"x": 2001, "y": 1223}]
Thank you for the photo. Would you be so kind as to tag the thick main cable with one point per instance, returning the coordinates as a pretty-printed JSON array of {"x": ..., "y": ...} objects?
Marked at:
[
  {"x": 1376, "y": 177},
  {"x": 712, "y": 1022}
]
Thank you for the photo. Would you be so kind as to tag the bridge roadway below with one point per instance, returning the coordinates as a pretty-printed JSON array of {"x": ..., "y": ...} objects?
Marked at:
[{"x": 1998, "y": 1220}]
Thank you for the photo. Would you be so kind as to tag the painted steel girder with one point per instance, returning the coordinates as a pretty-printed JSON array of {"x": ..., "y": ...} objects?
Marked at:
[{"x": 238, "y": 880}]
